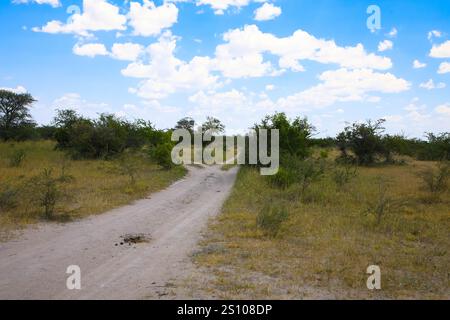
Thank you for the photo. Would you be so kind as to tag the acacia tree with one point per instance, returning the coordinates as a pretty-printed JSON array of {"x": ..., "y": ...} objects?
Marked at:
[
  {"x": 187, "y": 124},
  {"x": 14, "y": 113},
  {"x": 213, "y": 125}
]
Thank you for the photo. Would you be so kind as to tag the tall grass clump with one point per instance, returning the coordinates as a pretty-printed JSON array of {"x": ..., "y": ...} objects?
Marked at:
[
  {"x": 270, "y": 219},
  {"x": 16, "y": 158}
]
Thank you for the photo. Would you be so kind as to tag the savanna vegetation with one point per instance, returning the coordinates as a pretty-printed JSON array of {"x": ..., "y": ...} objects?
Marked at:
[
  {"x": 75, "y": 166},
  {"x": 336, "y": 206}
]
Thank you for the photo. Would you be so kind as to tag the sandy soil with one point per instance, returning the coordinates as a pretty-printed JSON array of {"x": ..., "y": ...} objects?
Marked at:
[{"x": 33, "y": 265}]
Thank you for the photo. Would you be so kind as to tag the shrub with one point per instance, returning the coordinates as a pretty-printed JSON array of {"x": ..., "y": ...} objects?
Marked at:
[
  {"x": 381, "y": 204},
  {"x": 309, "y": 171},
  {"x": 343, "y": 174},
  {"x": 8, "y": 197},
  {"x": 46, "y": 192},
  {"x": 270, "y": 219},
  {"x": 104, "y": 137},
  {"x": 16, "y": 158},
  {"x": 436, "y": 179},
  {"x": 363, "y": 140},
  {"x": 437, "y": 147},
  {"x": 283, "y": 179},
  {"x": 162, "y": 154}
]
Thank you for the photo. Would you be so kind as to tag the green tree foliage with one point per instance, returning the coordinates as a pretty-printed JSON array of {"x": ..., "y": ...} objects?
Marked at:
[
  {"x": 213, "y": 125},
  {"x": 187, "y": 124},
  {"x": 15, "y": 119},
  {"x": 363, "y": 140},
  {"x": 295, "y": 134},
  {"x": 101, "y": 138}
]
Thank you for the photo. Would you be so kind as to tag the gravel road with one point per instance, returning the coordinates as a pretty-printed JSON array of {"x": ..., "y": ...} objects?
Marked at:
[{"x": 33, "y": 265}]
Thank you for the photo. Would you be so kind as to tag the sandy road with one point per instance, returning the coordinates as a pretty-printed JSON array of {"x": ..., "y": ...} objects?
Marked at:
[{"x": 33, "y": 265}]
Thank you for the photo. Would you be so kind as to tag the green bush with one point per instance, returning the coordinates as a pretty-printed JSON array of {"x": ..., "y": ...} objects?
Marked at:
[
  {"x": 295, "y": 134},
  {"x": 364, "y": 141},
  {"x": 8, "y": 197},
  {"x": 283, "y": 179},
  {"x": 162, "y": 154},
  {"x": 436, "y": 179},
  {"x": 270, "y": 219},
  {"x": 46, "y": 191},
  {"x": 104, "y": 137}
]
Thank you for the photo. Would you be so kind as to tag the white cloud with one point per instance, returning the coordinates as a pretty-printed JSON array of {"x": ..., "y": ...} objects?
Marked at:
[
  {"x": 90, "y": 50},
  {"x": 441, "y": 51},
  {"x": 149, "y": 20},
  {"x": 393, "y": 33},
  {"x": 76, "y": 102},
  {"x": 443, "y": 109},
  {"x": 435, "y": 34},
  {"x": 97, "y": 15},
  {"x": 126, "y": 51},
  {"x": 242, "y": 54},
  {"x": 18, "y": 89},
  {"x": 165, "y": 74},
  {"x": 418, "y": 65},
  {"x": 444, "y": 67},
  {"x": 385, "y": 45},
  {"x": 345, "y": 85},
  {"x": 270, "y": 87},
  {"x": 219, "y": 6},
  {"x": 53, "y": 3},
  {"x": 267, "y": 12},
  {"x": 430, "y": 85}
]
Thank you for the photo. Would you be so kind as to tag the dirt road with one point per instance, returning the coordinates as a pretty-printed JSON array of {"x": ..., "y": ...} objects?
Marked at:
[{"x": 33, "y": 265}]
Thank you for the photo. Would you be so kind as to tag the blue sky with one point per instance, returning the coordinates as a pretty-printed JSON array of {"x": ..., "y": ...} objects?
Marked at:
[{"x": 237, "y": 60}]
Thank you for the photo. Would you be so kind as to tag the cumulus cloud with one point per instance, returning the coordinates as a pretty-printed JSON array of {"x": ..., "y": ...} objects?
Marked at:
[
  {"x": 441, "y": 51},
  {"x": 246, "y": 47},
  {"x": 430, "y": 85},
  {"x": 165, "y": 74},
  {"x": 90, "y": 50},
  {"x": 418, "y": 65},
  {"x": 97, "y": 15},
  {"x": 385, "y": 45},
  {"x": 444, "y": 67},
  {"x": 150, "y": 20},
  {"x": 344, "y": 85},
  {"x": 126, "y": 51},
  {"x": 434, "y": 34},
  {"x": 267, "y": 12}
]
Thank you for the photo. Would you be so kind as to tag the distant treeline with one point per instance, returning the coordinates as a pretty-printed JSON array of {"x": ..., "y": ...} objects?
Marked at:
[{"x": 109, "y": 135}]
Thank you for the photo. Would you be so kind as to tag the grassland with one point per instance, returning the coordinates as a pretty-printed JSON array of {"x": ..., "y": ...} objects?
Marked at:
[
  {"x": 87, "y": 187},
  {"x": 329, "y": 238}
]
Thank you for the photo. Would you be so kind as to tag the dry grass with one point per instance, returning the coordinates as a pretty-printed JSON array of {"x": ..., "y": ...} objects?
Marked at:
[
  {"x": 95, "y": 186},
  {"x": 330, "y": 238}
]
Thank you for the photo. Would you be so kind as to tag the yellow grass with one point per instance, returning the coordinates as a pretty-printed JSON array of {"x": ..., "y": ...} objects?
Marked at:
[
  {"x": 96, "y": 185},
  {"x": 324, "y": 248}
]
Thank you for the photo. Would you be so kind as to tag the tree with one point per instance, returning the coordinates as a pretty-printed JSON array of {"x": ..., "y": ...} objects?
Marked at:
[
  {"x": 364, "y": 140},
  {"x": 295, "y": 135},
  {"x": 214, "y": 125},
  {"x": 14, "y": 114},
  {"x": 187, "y": 124}
]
